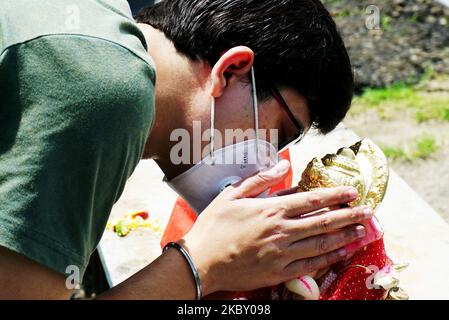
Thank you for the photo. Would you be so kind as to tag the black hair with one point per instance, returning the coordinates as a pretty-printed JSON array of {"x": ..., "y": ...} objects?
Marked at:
[{"x": 296, "y": 44}]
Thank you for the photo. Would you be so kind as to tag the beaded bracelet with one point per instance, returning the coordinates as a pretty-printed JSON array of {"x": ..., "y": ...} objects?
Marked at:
[{"x": 186, "y": 255}]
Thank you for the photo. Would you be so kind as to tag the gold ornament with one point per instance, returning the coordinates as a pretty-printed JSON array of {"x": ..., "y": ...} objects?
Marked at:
[{"x": 362, "y": 166}]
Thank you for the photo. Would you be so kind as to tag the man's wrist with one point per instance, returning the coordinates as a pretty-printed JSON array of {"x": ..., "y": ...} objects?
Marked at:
[
  {"x": 182, "y": 273},
  {"x": 193, "y": 269},
  {"x": 209, "y": 285}
]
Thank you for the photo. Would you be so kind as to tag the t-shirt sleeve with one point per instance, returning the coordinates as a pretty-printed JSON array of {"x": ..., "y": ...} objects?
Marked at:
[{"x": 75, "y": 113}]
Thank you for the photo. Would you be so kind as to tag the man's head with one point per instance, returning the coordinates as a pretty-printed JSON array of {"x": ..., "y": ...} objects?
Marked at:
[{"x": 206, "y": 48}]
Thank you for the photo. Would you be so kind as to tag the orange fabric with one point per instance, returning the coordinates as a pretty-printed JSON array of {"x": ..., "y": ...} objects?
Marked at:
[{"x": 183, "y": 217}]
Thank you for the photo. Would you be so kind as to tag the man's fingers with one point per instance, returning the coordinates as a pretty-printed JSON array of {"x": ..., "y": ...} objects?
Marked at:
[
  {"x": 306, "y": 202},
  {"x": 305, "y": 266},
  {"x": 331, "y": 221},
  {"x": 259, "y": 183},
  {"x": 316, "y": 246}
]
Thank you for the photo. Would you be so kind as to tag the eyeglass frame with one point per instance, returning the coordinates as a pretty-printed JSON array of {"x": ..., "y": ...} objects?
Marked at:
[{"x": 300, "y": 128}]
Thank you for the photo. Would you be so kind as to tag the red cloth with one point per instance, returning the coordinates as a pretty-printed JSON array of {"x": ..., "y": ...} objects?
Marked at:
[{"x": 350, "y": 283}]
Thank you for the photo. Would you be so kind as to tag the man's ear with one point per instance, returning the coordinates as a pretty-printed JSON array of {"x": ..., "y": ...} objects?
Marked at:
[{"x": 230, "y": 68}]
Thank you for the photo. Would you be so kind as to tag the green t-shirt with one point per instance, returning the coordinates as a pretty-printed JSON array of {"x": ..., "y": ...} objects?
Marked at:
[{"x": 76, "y": 107}]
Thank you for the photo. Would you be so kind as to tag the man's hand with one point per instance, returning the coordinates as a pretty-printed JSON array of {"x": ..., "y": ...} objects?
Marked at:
[{"x": 240, "y": 243}]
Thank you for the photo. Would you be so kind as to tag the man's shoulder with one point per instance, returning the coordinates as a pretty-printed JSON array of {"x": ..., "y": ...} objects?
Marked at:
[
  {"x": 22, "y": 21},
  {"x": 78, "y": 78},
  {"x": 75, "y": 112}
]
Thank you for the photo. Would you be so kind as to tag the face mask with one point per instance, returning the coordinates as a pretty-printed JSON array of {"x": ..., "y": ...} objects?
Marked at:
[{"x": 200, "y": 185}]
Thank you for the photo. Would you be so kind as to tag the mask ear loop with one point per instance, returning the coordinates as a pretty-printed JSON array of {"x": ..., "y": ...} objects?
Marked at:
[
  {"x": 212, "y": 131},
  {"x": 256, "y": 119},
  {"x": 256, "y": 111}
]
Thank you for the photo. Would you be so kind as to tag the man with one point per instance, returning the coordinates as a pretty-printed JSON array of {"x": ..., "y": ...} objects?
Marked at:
[{"x": 78, "y": 101}]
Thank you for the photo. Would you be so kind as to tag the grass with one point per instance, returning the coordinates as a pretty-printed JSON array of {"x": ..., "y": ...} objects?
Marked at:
[
  {"x": 426, "y": 146},
  {"x": 422, "y": 147},
  {"x": 414, "y": 18},
  {"x": 394, "y": 153},
  {"x": 385, "y": 22},
  {"x": 387, "y": 102},
  {"x": 344, "y": 13},
  {"x": 392, "y": 101},
  {"x": 397, "y": 92},
  {"x": 431, "y": 107}
]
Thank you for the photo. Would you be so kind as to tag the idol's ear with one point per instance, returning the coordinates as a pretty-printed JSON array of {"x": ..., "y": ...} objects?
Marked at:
[{"x": 230, "y": 68}]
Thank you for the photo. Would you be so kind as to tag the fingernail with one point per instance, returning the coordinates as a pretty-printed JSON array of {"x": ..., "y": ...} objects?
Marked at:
[
  {"x": 342, "y": 252},
  {"x": 374, "y": 232},
  {"x": 283, "y": 166},
  {"x": 368, "y": 212},
  {"x": 376, "y": 228},
  {"x": 361, "y": 232},
  {"x": 352, "y": 193}
]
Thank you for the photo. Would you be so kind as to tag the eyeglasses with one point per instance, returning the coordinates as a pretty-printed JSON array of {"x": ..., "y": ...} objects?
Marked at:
[{"x": 299, "y": 128}]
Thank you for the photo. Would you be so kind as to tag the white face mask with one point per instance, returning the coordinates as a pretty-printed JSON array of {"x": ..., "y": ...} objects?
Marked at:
[{"x": 200, "y": 185}]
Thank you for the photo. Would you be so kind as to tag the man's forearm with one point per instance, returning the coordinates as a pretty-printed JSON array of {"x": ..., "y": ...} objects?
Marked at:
[{"x": 167, "y": 278}]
